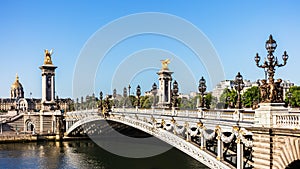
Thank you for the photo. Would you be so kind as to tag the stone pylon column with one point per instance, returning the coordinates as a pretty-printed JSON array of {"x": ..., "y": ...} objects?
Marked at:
[
  {"x": 164, "y": 90},
  {"x": 48, "y": 83}
]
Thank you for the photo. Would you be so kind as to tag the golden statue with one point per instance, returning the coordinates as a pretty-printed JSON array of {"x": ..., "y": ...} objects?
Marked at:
[
  {"x": 48, "y": 57},
  {"x": 165, "y": 63}
]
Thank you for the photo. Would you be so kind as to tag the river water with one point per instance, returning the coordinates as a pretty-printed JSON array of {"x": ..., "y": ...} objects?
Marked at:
[{"x": 85, "y": 154}]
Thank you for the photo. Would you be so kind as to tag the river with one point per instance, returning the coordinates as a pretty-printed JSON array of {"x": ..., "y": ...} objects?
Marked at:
[{"x": 85, "y": 154}]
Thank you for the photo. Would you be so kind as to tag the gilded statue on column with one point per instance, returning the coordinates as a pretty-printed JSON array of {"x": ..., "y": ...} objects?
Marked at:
[
  {"x": 47, "y": 59},
  {"x": 164, "y": 64}
]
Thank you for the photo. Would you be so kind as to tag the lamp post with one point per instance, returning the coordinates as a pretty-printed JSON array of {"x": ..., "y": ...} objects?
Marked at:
[
  {"x": 100, "y": 97},
  {"x": 271, "y": 62},
  {"x": 154, "y": 92},
  {"x": 129, "y": 87},
  {"x": 138, "y": 94},
  {"x": 77, "y": 103},
  {"x": 175, "y": 95},
  {"x": 269, "y": 67},
  {"x": 114, "y": 97},
  {"x": 239, "y": 85},
  {"x": 202, "y": 89}
]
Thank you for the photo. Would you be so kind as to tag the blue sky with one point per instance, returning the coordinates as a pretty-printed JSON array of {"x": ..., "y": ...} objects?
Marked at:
[{"x": 236, "y": 29}]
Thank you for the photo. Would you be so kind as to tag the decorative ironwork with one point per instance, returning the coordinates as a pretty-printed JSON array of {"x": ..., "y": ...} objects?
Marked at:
[
  {"x": 138, "y": 94},
  {"x": 239, "y": 85},
  {"x": 100, "y": 103},
  {"x": 175, "y": 95},
  {"x": 271, "y": 91},
  {"x": 154, "y": 92},
  {"x": 202, "y": 89},
  {"x": 114, "y": 93},
  {"x": 107, "y": 106},
  {"x": 129, "y": 87}
]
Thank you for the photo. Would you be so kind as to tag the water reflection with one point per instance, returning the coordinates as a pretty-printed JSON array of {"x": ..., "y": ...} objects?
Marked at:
[{"x": 85, "y": 154}]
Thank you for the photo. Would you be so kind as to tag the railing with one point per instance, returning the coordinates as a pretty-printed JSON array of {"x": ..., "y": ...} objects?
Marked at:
[
  {"x": 231, "y": 114},
  {"x": 287, "y": 120}
]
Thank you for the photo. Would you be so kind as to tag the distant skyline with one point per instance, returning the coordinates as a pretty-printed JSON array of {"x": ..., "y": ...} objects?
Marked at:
[{"x": 237, "y": 30}]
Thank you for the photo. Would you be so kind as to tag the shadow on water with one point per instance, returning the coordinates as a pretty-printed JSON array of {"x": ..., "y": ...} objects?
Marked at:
[{"x": 85, "y": 154}]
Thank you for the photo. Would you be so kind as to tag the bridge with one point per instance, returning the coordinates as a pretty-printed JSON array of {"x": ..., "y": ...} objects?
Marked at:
[
  {"x": 267, "y": 137},
  {"x": 217, "y": 138}
]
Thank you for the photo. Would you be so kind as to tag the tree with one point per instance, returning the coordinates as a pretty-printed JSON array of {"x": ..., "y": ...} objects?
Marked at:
[
  {"x": 250, "y": 96},
  {"x": 229, "y": 97},
  {"x": 185, "y": 103},
  {"x": 294, "y": 99},
  {"x": 147, "y": 103},
  {"x": 131, "y": 101},
  {"x": 210, "y": 101}
]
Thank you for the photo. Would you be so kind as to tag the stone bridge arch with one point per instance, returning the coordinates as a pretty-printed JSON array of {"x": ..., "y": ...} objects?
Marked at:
[
  {"x": 167, "y": 137},
  {"x": 288, "y": 154}
]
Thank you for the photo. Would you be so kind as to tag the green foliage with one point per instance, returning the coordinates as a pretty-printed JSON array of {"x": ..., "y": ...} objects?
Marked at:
[
  {"x": 250, "y": 96},
  {"x": 210, "y": 101},
  {"x": 132, "y": 101},
  {"x": 295, "y": 96},
  {"x": 231, "y": 94},
  {"x": 146, "y": 103},
  {"x": 71, "y": 107},
  {"x": 185, "y": 103}
]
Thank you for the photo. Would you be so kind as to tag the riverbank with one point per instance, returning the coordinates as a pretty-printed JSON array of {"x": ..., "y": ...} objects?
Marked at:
[{"x": 19, "y": 138}]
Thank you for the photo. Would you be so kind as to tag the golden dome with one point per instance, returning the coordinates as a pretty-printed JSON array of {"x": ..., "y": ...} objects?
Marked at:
[{"x": 16, "y": 84}]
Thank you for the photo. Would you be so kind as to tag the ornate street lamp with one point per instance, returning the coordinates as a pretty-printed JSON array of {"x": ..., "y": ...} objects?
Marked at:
[
  {"x": 100, "y": 97},
  {"x": 138, "y": 94},
  {"x": 114, "y": 93},
  {"x": 129, "y": 87},
  {"x": 114, "y": 96},
  {"x": 269, "y": 66},
  {"x": 239, "y": 85},
  {"x": 175, "y": 95},
  {"x": 202, "y": 89},
  {"x": 154, "y": 92},
  {"x": 271, "y": 62}
]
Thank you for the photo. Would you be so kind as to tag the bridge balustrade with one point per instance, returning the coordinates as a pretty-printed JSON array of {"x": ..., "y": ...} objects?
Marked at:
[{"x": 291, "y": 120}]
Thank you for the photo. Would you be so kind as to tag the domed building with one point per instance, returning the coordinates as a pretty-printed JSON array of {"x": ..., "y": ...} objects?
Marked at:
[
  {"x": 16, "y": 90},
  {"x": 17, "y": 102}
]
